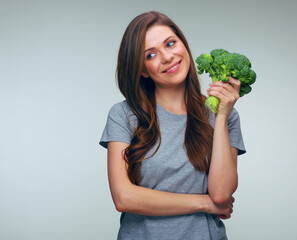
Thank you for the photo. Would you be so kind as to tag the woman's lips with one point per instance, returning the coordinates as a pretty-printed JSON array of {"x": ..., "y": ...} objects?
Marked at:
[{"x": 173, "y": 68}]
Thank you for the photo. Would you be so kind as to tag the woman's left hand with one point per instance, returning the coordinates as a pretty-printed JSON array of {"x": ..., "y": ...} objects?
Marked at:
[{"x": 227, "y": 94}]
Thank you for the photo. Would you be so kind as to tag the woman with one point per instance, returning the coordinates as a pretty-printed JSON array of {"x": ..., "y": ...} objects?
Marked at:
[{"x": 172, "y": 166}]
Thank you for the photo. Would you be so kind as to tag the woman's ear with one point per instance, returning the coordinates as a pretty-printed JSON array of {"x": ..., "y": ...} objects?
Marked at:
[{"x": 144, "y": 74}]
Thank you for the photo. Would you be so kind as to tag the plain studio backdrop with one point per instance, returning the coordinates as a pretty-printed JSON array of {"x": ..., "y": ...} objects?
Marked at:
[{"x": 57, "y": 84}]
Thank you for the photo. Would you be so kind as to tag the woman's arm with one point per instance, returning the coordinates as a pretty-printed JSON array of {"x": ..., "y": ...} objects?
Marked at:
[
  {"x": 222, "y": 178},
  {"x": 128, "y": 197}
]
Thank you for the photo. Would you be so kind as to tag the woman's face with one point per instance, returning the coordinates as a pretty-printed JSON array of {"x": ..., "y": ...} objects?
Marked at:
[{"x": 166, "y": 60}]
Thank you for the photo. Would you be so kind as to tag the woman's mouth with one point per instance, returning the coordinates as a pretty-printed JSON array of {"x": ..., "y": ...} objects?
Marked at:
[{"x": 173, "y": 68}]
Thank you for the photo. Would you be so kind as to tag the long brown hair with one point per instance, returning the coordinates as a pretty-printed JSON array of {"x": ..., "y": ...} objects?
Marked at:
[{"x": 140, "y": 95}]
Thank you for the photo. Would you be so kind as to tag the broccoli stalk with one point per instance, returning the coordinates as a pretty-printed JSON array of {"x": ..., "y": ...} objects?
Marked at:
[{"x": 221, "y": 65}]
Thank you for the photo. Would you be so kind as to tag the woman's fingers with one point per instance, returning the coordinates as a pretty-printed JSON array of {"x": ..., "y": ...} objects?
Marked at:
[
  {"x": 223, "y": 94},
  {"x": 227, "y": 216},
  {"x": 236, "y": 83},
  {"x": 224, "y": 210},
  {"x": 227, "y": 93},
  {"x": 225, "y": 88},
  {"x": 229, "y": 207},
  {"x": 216, "y": 89}
]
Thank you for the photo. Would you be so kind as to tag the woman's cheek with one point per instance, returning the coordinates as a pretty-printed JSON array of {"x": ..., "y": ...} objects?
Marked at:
[{"x": 153, "y": 68}]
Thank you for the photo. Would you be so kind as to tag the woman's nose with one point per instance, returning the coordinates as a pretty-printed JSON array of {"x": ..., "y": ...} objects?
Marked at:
[{"x": 167, "y": 56}]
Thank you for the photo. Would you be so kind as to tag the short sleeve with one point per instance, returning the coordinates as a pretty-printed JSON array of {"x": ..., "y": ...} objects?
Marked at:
[
  {"x": 235, "y": 135},
  {"x": 118, "y": 126}
]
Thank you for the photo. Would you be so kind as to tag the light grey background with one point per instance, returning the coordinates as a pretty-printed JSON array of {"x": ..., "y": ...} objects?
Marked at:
[{"x": 57, "y": 84}]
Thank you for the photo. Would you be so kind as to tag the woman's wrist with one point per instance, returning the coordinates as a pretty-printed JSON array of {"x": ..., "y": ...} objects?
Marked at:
[
  {"x": 204, "y": 203},
  {"x": 221, "y": 118}
]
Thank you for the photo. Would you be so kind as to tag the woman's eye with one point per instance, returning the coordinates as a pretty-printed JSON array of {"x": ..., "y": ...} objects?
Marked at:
[
  {"x": 170, "y": 44},
  {"x": 150, "y": 55}
]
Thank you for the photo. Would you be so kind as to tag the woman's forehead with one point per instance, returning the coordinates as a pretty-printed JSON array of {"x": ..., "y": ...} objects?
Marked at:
[{"x": 156, "y": 35}]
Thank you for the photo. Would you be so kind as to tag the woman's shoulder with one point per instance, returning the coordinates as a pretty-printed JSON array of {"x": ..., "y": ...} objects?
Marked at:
[
  {"x": 120, "y": 106},
  {"x": 122, "y": 110},
  {"x": 119, "y": 125}
]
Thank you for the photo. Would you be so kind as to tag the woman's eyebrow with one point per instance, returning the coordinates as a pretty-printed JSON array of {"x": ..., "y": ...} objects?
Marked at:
[{"x": 154, "y": 47}]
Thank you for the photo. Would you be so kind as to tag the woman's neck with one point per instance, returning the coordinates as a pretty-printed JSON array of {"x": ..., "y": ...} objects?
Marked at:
[{"x": 173, "y": 99}]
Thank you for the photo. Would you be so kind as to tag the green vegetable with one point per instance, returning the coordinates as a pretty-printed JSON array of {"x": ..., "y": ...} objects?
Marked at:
[{"x": 220, "y": 65}]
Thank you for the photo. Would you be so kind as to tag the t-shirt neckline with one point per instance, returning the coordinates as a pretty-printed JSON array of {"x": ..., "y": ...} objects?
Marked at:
[{"x": 170, "y": 113}]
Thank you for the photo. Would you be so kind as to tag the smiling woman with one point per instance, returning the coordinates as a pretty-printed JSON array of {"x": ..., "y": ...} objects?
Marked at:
[
  {"x": 172, "y": 165},
  {"x": 167, "y": 63},
  {"x": 167, "y": 60}
]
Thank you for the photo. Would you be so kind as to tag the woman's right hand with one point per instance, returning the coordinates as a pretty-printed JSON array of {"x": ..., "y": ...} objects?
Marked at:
[{"x": 223, "y": 210}]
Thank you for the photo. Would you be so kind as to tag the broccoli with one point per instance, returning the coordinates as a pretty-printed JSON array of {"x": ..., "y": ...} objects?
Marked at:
[{"x": 220, "y": 65}]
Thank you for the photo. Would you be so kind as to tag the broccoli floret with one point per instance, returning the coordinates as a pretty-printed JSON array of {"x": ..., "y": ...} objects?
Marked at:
[
  {"x": 218, "y": 52},
  {"x": 204, "y": 62},
  {"x": 221, "y": 65}
]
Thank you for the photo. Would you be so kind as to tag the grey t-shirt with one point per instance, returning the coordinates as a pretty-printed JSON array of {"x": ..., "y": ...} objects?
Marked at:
[{"x": 168, "y": 170}]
